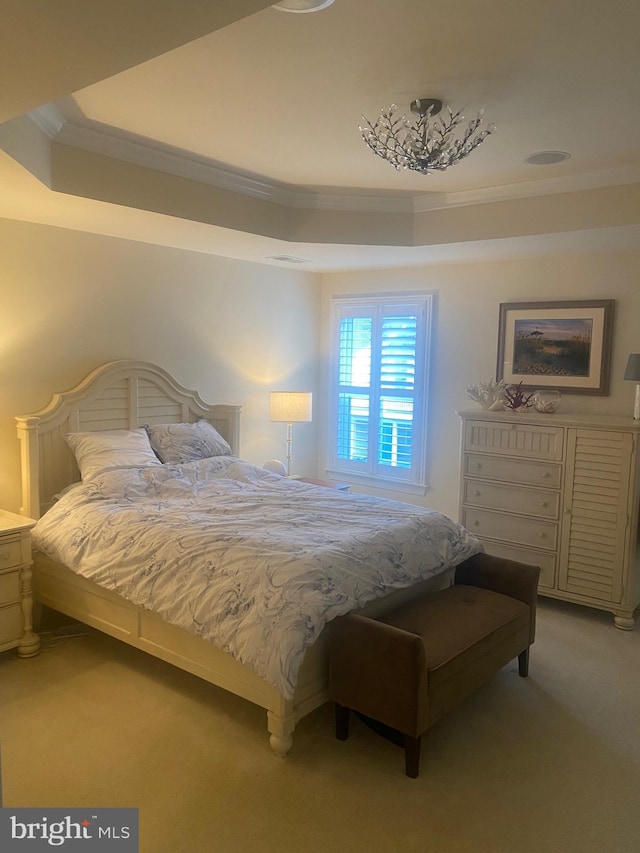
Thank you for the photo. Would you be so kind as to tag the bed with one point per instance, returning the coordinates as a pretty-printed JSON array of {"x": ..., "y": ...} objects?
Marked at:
[{"x": 135, "y": 397}]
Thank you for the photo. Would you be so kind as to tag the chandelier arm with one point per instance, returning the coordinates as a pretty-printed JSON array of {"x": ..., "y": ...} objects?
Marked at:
[
  {"x": 468, "y": 141},
  {"x": 425, "y": 130},
  {"x": 382, "y": 149}
]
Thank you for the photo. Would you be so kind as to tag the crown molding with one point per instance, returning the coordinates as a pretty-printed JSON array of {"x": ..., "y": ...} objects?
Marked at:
[
  {"x": 103, "y": 140},
  {"x": 528, "y": 189},
  {"x": 171, "y": 161},
  {"x": 163, "y": 158},
  {"x": 49, "y": 119}
]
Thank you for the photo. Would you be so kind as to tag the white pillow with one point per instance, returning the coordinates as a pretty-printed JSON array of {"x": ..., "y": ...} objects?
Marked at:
[
  {"x": 185, "y": 442},
  {"x": 65, "y": 491},
  {"x": 96, "y": 452}
]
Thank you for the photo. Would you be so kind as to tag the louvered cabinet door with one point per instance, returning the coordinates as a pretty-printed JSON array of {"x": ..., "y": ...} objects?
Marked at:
[
  {"x": 561, "y": 492},
  {"x": 596, "y": 512}
]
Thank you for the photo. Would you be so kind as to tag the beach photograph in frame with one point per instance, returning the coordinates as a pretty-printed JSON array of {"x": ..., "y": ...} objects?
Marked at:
[{"x": 560, "y": 345}]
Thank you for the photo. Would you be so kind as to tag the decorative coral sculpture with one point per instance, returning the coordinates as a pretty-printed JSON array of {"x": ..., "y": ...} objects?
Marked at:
[
  {"x": 489, "y": 394},
  {"x": 516, "y": 399}
]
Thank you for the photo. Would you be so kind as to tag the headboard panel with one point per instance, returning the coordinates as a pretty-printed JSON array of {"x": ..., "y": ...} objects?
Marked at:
[{"x": 122, "y": 394}]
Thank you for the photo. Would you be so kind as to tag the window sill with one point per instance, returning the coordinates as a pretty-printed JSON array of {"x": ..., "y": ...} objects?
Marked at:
[{"x": 378, "y": 482}]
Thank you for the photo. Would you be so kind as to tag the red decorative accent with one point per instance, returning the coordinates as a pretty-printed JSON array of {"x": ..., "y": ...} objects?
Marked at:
[{"x": 515, "y": 398}]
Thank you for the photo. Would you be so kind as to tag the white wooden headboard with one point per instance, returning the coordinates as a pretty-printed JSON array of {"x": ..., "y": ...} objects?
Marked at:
[{"x": 122, "y": 394}]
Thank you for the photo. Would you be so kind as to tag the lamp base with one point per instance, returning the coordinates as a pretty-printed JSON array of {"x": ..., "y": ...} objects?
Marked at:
[
  {"x": 289, "y": 430},
  {"x": 636, "y": 405}
]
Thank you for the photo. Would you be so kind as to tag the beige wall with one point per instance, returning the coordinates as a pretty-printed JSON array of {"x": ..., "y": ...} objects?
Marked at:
[
  {"x": 230, "y": 329},
  {"x": 235, "y": 330},
  {"x": 466, "y": 333}
]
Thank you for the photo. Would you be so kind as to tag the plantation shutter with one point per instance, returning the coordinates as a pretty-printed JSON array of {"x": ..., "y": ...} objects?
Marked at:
[
  {"x": 380, "y": 393},
  {"x": 398, "y": 343}
]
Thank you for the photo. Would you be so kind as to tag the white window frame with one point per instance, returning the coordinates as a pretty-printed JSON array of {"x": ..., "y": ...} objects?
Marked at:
[{"x": 413, "y": 480}]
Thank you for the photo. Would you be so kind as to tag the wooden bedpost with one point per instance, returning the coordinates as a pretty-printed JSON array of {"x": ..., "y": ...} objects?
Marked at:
[
  {"x": 281, "y": 722},
  {"x": 30, "y": 466}
]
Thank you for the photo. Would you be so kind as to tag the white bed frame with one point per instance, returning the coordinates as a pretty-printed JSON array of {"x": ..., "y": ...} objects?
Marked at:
[{"x": 125, "y": 395}]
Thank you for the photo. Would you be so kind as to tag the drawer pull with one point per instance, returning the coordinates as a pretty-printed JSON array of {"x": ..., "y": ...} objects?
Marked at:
[
  {"x": 542, "y": 535},
  {"x": 477, "y": 465},
  {"x": 476, "y": 523},
  {"x": 546, "y": 475},
  {"x": 476, "y": 494},
  {"x": 544, "y": 504},
  {"x": 4, "y": 555}
]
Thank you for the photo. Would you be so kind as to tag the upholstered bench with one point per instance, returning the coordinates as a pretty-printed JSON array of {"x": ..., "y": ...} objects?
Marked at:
[{"x": 407, "y": 668}]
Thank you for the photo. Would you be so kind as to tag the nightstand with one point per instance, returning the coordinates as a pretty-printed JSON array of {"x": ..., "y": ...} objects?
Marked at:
[
  {"x": 327, "y": 484},
  {"x": 16, "y": 603}
]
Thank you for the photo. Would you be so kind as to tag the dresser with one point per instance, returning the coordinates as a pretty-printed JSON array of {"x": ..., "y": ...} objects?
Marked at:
[
  {"x": 561, "y": 492},
  {"x": 16, "y": 604}
]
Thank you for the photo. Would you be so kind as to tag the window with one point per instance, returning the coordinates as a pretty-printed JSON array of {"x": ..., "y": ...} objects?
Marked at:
[{"x": 379, "y": 387}]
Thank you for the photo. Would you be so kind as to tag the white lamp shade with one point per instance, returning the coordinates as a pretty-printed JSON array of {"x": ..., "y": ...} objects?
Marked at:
[
  {"x": 290, "y": 406},
  {"x": 633, "y": 367}
]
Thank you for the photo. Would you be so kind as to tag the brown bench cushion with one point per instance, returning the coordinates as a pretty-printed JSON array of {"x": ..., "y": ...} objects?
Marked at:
[
  {"x": 459, "y": 625},
  {"x": 468, "y": 634}
]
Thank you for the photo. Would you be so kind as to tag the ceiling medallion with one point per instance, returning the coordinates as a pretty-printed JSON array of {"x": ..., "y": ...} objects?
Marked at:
[
  {"x": 423, "y": 145},
  {"x": 302, "y": 5}
]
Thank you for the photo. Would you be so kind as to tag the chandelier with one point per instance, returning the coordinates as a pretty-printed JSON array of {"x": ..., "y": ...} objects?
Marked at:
[{"x": 423, "y": 145}]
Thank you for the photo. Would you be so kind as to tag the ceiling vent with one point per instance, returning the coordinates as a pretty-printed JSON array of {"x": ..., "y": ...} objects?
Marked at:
[{"x": 288, "y": 259}]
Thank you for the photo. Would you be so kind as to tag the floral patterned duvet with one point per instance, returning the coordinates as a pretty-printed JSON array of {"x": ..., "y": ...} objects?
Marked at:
[{"x": 252, "y": 562}]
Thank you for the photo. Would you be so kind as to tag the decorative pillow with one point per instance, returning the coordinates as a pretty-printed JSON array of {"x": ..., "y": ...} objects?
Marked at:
[
  {"x": 186, "y": 442},
  {"x": 96, "y": 452}
]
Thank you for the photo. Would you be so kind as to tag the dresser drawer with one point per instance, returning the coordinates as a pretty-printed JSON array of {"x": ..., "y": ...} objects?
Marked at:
[
  {"x": 513, "y": 470},
  {"x": 10, "y": 553},
  {"x": 11, "y": 623},
  {"x": 511, "y": 528},
  {"x": 512, "y": 439},
  {"x": 9, "y": 587},
  {"x": 541, "y": 503},
  {"x": 546, "y": 561}
]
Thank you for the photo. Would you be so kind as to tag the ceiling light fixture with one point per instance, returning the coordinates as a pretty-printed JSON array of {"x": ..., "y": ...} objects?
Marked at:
[
  {"x": 302, "y": 5},
  {"x": 423, "y": 145}
]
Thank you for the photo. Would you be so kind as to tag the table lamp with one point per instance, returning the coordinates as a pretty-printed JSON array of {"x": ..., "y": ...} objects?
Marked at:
[
  {"x": 290, "y": 407},
  {"x": 633, "y": 372}
]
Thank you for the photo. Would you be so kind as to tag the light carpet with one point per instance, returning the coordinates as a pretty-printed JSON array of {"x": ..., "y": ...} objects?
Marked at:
[{"x": 538, "y": 765}]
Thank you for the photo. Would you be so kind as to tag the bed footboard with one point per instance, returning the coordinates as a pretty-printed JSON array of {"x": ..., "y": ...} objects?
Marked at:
[{"x": 61, "y": 589}]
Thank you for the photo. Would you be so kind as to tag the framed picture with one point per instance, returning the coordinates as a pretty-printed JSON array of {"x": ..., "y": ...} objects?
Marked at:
[{"x": 561, "y": 345}]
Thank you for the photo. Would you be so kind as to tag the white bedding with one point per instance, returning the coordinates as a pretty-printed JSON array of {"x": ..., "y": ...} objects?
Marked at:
[{"x": 252, "y": 562}]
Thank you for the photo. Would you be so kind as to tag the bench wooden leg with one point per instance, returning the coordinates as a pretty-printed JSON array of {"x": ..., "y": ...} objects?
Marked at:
[
  {"x": 523, "y": 663},
  {"x": 412, "y": 756},
  {"x": 342, "y": 722}
]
